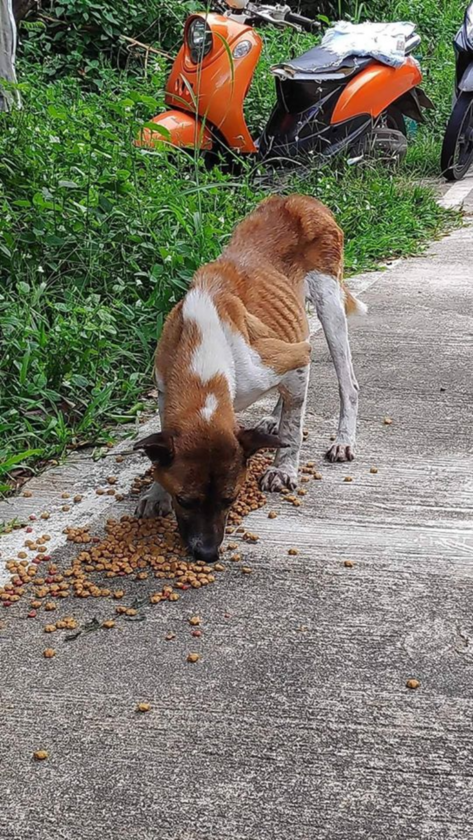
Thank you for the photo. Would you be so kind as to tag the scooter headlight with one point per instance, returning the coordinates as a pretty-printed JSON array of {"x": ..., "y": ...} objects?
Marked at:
[
  {"x": 199, "y": 39},
  {"x": 469, "y": 26}
]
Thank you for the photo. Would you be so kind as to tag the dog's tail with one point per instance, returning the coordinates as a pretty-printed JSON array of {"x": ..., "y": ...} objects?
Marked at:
[{"x": 353, "y": 306}]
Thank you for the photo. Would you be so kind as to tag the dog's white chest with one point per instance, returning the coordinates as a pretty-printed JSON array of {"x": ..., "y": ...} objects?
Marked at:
[{"x": 252, "y": 378}]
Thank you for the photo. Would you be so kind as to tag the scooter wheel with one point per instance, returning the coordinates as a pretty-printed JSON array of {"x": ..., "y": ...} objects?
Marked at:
[{"x": 457, "y": 149}]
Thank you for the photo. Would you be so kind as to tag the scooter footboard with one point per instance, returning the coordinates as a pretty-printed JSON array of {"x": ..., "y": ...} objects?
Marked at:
[{"x": 178, "y": 129}]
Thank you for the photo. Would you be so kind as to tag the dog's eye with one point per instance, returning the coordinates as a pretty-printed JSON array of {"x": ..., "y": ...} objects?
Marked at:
[{"x": 187, "y": 504}]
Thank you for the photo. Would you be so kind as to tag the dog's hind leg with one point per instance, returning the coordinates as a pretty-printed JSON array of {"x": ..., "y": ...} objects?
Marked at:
[
  {"x": 325, "y": 293},
  {"x": 270, "y": 424},
  {"x": 283, "y": 473},
  {"x": 156, "y": 501}
]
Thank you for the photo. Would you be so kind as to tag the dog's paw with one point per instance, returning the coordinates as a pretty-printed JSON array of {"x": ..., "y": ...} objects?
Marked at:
[
  {"x": 268, "y": 425},
  {"x": 340, "y": 452},
  {"x": 275, "y": 479},
  {"x": 155, "y": 502}
]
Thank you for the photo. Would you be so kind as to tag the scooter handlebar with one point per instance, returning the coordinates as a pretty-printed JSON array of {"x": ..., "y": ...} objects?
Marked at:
[{"x": 306, "y": 23}]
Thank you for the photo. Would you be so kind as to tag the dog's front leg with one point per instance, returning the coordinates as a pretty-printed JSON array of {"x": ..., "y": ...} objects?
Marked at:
[
  {"x": 283, "y": 473},
  {"x": 156, "y": 501}
]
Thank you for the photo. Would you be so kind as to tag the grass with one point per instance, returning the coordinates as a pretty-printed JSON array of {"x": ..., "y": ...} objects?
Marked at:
[{"x": 98, "y": 239}]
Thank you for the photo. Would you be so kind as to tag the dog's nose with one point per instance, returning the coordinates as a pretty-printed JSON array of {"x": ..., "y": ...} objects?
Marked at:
[{"x": 209, "y": 554}]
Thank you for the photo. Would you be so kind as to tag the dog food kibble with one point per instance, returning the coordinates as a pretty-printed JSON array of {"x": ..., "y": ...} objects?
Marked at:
[
  {"x": 293, "y": 552},
  {"x": 196, "y": 633},
  {"x": 112, "y": 479},
  {"x": 130, "y": 548},
  {"x": 27, "y": 494},
  {"x": 193, "y": 657},
  {"x": 65, "y": 508},
  {"x": 387, "y": 421},
  {"x": 246, "y": 570},
  {"x": 143, "y": 707},
  {"x": 302, "y": 492},
  {"x": 65, "y": 495},
  {"x": 40, "y": 755},
  {"x": 318, "y": 476},
  {"x": 170, "y": 636},
  {"x": 49, "y": 653},
  {"x": 99, "y": 491},
  {"x": 50, "y": 628},
  {"x": 412, "y": 684},
  {"x": 195, "y": 620},
  {"x": 45, "y": 515},
  {"x": 349, "y": 564},
  {"x": 348, "y": 478},
  {"x": 373, "y": 470},
  {"x": 119, "y": 459},
  {"x": 108, "y": 623},
  {"x": 272, "y": 514}
]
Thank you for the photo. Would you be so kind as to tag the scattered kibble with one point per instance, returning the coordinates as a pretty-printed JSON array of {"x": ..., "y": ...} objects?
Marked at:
[
  {"x": 246, "y": 570},
  {"x": 49, "y": 606},
  {"x": 272, "y": 514},
  {"x": 49, "y": 653},
  {"x": 77, "y": 499},
  {"x": 170, "y": 636},
  {"x": 387, "y": 421},
  {"x": 65, "y": 495},
  {"x": 348, "y": 563},
  {"x": 318, "y": 476},
  {"x": 293, "y": 552},
  {"x": 45, "y": 514},
  {"x": 119, "y": 459},
  {"x": 50, "y": 628},
  {"x": 412, "y": 684},
  {"x": 373, "y": 470},
  {"x": 348, "y": 478},
  {"x": 143, "y": 707},
  {"x": 195, "y": 620},
  {"x": 193, "y": 657},
  {"x": 65, "y": 508},
  {"x": 40, "y": 755},
  {"x": 108, "y": 623},
  {"x": 27, "y": 494}
]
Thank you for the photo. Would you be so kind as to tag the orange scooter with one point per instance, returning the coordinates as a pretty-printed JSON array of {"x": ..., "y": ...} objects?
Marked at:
[{"x": 324, "y": 103}]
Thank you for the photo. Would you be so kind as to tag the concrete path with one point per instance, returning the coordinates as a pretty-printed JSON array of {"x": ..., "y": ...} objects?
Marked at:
[{"x": 296, "y": 724}]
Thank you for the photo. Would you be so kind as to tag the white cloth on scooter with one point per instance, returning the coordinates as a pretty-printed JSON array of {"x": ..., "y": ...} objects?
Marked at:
[{"x": 386, "y": 42}]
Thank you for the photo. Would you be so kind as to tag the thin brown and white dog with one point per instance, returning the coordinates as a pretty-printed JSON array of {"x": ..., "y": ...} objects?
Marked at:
[{"x": 240, "y": 332}]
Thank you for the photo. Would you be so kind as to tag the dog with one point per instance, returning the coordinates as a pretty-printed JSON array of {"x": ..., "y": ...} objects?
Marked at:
[{"x": 240, "y": 332}]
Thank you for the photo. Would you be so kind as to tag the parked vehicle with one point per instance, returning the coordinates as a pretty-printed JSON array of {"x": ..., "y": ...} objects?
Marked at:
[
  {"x": 324, "y": 104},
  {"x": 457, "y": 149}
]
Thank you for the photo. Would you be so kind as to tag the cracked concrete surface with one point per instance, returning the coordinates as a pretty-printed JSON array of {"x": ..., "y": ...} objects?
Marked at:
[{"x": 296, "y": 723}]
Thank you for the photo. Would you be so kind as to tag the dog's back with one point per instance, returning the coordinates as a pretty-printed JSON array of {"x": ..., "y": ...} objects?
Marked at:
[{"x": 292, "y": 235}]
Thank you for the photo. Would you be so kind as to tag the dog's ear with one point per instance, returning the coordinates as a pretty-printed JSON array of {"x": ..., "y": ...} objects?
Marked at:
[
  {"x": 251, "y": 440},
  {"x": 158, "y": 447}
]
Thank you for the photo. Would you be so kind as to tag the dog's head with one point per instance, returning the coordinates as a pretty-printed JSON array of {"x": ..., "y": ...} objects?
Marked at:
[{"x": 203, "y": 478}]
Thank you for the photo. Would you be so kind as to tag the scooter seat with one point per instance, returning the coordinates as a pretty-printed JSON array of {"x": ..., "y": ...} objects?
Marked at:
[{"x": 320, "y": 62}]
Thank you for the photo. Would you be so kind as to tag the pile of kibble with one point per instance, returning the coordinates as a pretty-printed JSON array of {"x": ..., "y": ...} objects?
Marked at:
[{"x": 136, "y": 548}]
